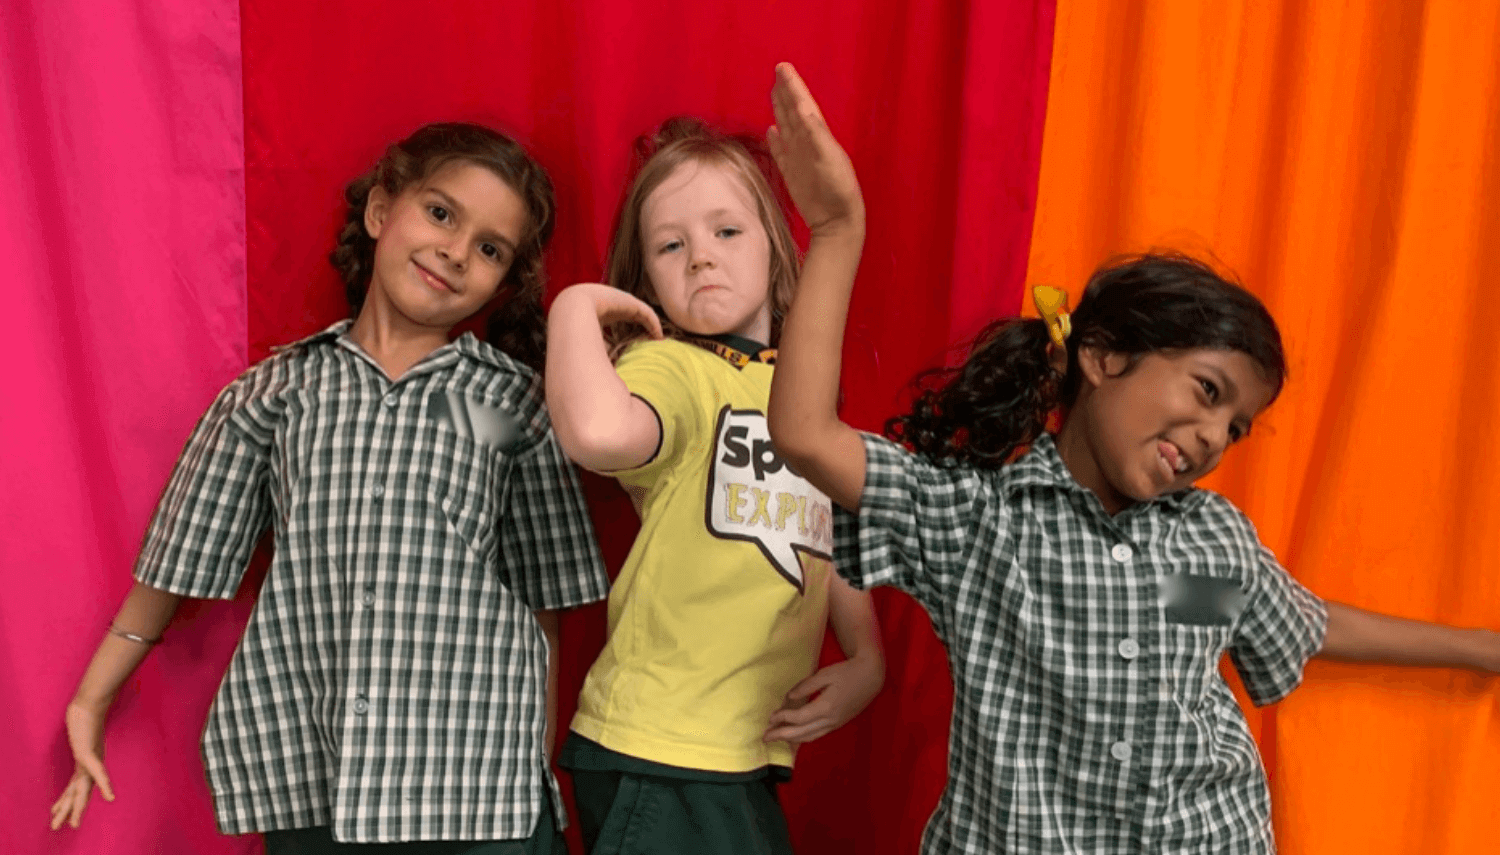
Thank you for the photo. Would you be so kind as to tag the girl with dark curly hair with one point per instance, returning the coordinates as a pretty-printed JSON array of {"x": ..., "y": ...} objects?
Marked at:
[
  {"x": 1085, "y": 589},
  {"x": 394, "y": 684}
]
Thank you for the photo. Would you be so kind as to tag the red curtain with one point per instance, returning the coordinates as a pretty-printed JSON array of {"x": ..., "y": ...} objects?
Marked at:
[{"x": 940, "y": 104}]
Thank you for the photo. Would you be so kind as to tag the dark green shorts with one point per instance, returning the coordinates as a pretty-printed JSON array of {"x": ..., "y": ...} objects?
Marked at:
[
  {"x": 639, "y": 812},
  {"x": 545, "y": 840}
]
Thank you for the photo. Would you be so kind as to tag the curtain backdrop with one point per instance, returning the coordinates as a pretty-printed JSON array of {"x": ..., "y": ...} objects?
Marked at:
[
  {"x": 939, "y": 102},
  {"x": 1342, "y": 159},
  {"x": 122, "y": 230}
]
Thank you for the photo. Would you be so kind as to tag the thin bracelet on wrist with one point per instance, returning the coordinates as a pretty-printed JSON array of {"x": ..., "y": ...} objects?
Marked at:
[{"x": 130, "y": 636}]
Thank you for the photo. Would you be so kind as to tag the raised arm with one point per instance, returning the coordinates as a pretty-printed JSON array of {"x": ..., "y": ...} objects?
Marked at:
[
  {"x": 135, "y": 630},
  {"x": 598, "y": 422},
  {"x": 1356, "y": 635},
  {"x": 803, "y": 415}
]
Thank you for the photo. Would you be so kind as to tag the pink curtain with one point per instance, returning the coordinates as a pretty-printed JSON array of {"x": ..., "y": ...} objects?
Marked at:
[{"x": 122, "y": 231}]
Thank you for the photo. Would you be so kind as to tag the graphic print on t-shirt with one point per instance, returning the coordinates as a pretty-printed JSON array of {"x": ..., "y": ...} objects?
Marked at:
[{"x": 753, "y": 495}]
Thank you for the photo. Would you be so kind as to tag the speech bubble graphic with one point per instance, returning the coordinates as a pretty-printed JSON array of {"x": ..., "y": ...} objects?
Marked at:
[{"x": 753, "y": 495}]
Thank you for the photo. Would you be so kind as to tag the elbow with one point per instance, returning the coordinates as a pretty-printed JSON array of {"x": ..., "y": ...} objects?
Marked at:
[{"x": 583, "y": 441}]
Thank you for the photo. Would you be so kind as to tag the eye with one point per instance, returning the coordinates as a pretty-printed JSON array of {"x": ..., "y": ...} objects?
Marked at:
[
  {"x": 1210, "y": 388},
  {"x": 728, "y": 231},
  {"x": 439, "y": 213},
  {"x": 490, "y": 251},
  {"x": 1238, "y": 431},
  {"x": 669, "y": 246}
]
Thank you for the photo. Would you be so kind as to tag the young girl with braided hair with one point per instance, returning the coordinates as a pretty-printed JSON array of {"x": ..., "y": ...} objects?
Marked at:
[
  {"x": 395, "y": 684},
  {"x": 1086, "y": 591}
]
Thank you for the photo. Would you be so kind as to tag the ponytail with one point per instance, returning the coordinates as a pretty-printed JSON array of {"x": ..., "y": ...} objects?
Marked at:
[{"x": 996, "y": 402}]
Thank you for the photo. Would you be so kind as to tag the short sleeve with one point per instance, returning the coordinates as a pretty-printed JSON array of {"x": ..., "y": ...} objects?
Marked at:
[
  {"x": 913, "y": 527},
  {"x": 213, "y": 509},
  {"x": 548, "y": 553},
  {"x": 653, "y": 373},
  {"x": 1282, "y": 627}
]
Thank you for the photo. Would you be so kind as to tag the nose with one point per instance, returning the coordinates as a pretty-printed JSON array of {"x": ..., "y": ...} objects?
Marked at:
[
  {"x": 455, "y": 252},
  {"x": 1213, "y": 433},
  {"x": 698, "y": 259}
]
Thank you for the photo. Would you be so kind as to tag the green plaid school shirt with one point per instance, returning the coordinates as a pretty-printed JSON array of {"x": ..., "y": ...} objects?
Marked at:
[
  {"x": 1088, "y": 717},
  {"x": 391, "y": 683}
]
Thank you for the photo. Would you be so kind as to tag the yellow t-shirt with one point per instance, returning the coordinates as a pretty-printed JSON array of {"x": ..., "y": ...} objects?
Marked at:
[{"x": 721, "y": 606}]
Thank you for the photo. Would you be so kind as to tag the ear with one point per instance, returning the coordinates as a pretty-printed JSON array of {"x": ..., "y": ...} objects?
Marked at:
[
  {"x": 1096, "y": 364},
  {"x": 377, "y": 207}
]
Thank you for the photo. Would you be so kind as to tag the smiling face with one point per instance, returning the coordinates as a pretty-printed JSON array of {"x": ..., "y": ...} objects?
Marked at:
[
  {"x": 442, "y": 246},
  {"x": 706, "y": 253},
  {"x": 1143, "y": 430}
]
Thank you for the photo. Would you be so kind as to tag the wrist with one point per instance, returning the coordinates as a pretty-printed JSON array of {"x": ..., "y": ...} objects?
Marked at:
[{"x": 1486, "y": 651}]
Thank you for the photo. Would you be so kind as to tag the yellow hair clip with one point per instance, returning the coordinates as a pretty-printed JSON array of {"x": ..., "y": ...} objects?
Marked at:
[{"x": 1051, "y": 304}]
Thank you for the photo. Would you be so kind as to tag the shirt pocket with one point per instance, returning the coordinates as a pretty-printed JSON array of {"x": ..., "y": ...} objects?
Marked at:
[
  {"x": 1192, "y": 654},
  {"x": 467, "y": 484}
]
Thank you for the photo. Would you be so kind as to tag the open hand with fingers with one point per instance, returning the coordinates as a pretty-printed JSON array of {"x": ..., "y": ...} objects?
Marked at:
[
  {"x": 85, "y": 726},
  {"x": 823, "y": 702},
  {"x": 818, "y": 173}
]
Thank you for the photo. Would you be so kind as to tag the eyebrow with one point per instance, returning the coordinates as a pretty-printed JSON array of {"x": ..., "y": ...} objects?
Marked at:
[
  {"x": 457, "y": 208},
  {"x": 716, "y": 212}
]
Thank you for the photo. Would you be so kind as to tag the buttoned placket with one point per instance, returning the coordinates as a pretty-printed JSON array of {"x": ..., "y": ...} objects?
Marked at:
[
  {"x": 1122, "y": 534},
  {"x": 380, "y": 415},
  {"x": 1136, "y": 528}
]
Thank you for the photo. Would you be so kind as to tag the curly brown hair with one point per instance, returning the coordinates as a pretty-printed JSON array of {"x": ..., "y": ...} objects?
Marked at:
[
  {"x": 999, "y": 400},
  {"x": 655, "y": 156},
  {"x": 517, "y": 324}
]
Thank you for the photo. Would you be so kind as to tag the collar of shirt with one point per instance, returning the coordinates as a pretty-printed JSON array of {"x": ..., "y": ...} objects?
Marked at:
[
  {"x": 466, "y": 345},
  {"x": 1042, "y": 466},
  {"x": 736, "y": 350}
]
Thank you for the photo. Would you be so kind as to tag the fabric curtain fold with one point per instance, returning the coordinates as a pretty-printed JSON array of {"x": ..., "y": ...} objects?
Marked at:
[{"x": 1340, "y": 158}]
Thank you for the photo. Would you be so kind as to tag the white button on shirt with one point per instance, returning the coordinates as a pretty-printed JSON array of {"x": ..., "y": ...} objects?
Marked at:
[
  {"x": 1129, "y": 649},
  {"x": 1121, "y": 552},
  {"x": 1120, "y": 751}
]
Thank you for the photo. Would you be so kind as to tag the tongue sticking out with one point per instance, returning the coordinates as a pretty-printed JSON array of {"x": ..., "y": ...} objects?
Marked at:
[{"x": 1169, "y": 453}]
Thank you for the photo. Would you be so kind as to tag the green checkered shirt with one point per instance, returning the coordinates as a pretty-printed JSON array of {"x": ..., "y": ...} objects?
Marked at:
[
  {"x": 391, "y": 682},
  {"x": 1086, "y": 719}
]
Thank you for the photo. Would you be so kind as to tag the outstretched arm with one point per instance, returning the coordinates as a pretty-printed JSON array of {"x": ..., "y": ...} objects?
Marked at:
[
  {"x": 1356, "y": 635},
  {"x": 831, "y": 696},
  {"x": 803, "y": 414},
  {"x": 144, "y": 614},
  {"x": 598, "y": 422}
]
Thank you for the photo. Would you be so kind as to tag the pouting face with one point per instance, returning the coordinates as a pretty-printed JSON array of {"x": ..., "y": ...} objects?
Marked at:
[
  {"x": 706, "y": 253},
  {"x": 444, "y": 245},
  {"x": 1140, "y": 431}
]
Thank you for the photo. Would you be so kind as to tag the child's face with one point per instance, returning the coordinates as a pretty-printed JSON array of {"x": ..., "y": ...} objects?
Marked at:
[
  {"x": 707, "y": 254},
  {"x": 1156, "y": 427},
  {"x": 443, "y": 245}
]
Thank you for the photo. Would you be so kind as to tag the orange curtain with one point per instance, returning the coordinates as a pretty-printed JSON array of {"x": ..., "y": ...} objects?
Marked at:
[{"x": 1343, "y": 159}]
